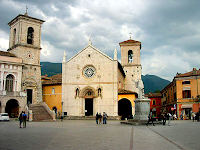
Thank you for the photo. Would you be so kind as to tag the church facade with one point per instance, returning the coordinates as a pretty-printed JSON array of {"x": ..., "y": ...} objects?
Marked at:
[{"x": 94, "y": 82}]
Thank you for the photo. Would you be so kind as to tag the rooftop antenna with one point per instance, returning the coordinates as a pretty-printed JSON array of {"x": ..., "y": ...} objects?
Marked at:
[{"x": 26, "y": 10}]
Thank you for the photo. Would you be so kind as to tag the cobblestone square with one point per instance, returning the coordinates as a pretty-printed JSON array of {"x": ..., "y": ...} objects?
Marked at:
[{"x": 87, "y": 135}]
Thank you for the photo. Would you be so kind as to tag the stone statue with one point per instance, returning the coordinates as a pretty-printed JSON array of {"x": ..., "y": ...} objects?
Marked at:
[{"x": 140, "y": 87}]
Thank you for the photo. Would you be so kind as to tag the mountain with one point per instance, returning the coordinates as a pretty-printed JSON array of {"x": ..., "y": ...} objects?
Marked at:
[
  {"x": 152, "y": 83},
  {"x": 50, "y": 68}
]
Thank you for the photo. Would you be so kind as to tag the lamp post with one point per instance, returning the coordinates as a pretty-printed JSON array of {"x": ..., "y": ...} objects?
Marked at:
[{"x": 62, "y": 111}]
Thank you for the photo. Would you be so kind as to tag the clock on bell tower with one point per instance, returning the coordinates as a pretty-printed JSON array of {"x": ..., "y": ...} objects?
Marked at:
[{"x": 25, "y": 43}]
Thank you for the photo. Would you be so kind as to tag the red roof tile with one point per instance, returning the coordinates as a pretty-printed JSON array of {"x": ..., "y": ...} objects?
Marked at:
[
  {"x": 55, "y": 79},
  {"x": 194, "y": 72},
  {"x": 130, "y": 41}
]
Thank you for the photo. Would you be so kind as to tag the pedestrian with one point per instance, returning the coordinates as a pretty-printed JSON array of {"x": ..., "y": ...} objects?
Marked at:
[
  {"x": 150, "y": 118},
  {"x": 97, "y": 115},
  {"x": 174, "y": 116},
  {"x": 20, "y": 119},
  {"x": 197, "y": 116},
  {"x": 193, "y": 116},
  {"x": 104, "y": 118},
  {"x": 24, "y": 116},
  {"x": 164, "y": 116},
  {"x": 170, "y": 117}
]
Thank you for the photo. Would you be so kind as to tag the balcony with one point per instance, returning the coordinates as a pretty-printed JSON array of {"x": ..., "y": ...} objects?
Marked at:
[{"x": 13, "y": 93}]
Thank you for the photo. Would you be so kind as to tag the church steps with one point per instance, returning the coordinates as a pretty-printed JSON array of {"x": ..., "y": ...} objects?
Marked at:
[{"x": 40, "y": 113}]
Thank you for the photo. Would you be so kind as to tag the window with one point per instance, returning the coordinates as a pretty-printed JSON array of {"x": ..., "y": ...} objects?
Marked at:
[
  {"x": 14, "y": 36},
  {"x": 186, "y": 94},
  {"x": 130, "y": 56},
  {"x": 185, "y": 82},
  {"x": 53, "y": 90},
  {"x": 9, "y": 83},
  {"x": 30, "y": 35},
  {"x": 89, "y": 72},
  {"x": 154, "y": 102}
]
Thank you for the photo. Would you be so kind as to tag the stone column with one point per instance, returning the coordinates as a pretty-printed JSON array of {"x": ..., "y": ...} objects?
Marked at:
[{"x": 30, "y": 115}]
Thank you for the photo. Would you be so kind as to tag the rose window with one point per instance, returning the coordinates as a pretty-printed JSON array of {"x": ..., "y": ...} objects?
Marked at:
[{"x": 89, "y": 72}]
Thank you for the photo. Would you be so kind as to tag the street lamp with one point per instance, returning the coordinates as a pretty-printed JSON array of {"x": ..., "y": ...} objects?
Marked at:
[{"x": 62, "y": 111}]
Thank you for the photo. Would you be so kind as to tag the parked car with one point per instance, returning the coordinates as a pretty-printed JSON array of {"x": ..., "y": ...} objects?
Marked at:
[{"x": 4, "y": 117}]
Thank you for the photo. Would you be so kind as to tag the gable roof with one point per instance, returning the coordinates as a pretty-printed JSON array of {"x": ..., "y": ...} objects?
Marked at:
[
  {"x": 130, "y": 41},
  {"x": 94, "y": 48},
  {"x": 8, "y": 54}
]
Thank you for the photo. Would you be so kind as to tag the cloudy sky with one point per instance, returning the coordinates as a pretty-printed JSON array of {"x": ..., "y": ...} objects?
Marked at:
[{"x": 169, "y": 30}]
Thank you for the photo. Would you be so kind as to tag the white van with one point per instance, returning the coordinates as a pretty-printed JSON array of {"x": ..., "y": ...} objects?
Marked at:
[{"x": 4, "y": 117}]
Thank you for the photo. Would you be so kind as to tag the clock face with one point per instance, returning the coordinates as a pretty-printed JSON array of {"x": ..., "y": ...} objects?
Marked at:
[
  {"x": 29, "y": 55},
  {"x": 89, "y": 72}
]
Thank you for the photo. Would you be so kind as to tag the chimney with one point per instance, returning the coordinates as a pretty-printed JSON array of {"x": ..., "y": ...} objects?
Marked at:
[{"x": 194, "y": 71}]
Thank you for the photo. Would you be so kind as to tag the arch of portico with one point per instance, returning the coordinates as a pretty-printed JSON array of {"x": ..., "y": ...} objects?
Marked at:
[{"x": 21, "y": 102}]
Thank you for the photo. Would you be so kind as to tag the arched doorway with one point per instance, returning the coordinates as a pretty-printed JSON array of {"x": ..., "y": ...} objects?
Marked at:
[
  {"x": 89, "y": 103},
  {"x": 124, "y": 109},
  {"x": 89, "y": 93},
  {"x": 12, "y": 108},
  {"x": 55, "y": 110}
]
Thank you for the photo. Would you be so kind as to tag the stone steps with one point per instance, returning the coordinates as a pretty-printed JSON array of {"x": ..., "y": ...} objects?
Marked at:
[{"x": 40, "y": 113}]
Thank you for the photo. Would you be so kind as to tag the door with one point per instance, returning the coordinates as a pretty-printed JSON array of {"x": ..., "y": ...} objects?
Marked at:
[
  {"x": 29, "y": 96},
  {"x": 89, "y": 107}
]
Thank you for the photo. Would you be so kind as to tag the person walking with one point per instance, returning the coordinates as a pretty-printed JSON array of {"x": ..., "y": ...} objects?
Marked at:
[
  {"x": 24, "y": 116},
  {"x": 170, "y": 117},
  {"x": 104, "y": 118},
  {"x": 193, "y": 116},
  {"x": 20, "y": 119},
  {"x": 150, "y": 118},
  {"x": 197, "y": 116},
  {"x": 97, "y": 115},
  {"x": 164, "y": 116}
]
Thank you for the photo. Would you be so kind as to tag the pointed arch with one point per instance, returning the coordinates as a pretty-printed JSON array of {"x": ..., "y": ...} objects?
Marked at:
[{"x": 88, "y": 92}]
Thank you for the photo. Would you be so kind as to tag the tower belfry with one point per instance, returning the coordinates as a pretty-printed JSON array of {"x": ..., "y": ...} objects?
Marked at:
[
  {"x": 24, "y": 42},
  {"x": 130, "y": 60}
]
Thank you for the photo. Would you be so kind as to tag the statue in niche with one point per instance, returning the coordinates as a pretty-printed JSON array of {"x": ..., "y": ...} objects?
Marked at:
[
  {"x": 77, "y": 92},
  {"x": 99, "y": 91}
]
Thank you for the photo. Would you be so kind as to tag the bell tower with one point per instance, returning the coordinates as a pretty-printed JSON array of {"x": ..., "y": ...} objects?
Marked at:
[
  {"x": 24, "y": 42},
  {"x": 130, "y": 60}
]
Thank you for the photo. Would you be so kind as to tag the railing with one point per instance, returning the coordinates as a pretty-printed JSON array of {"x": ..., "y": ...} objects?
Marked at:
[
  {"x": 52, "y": 113},
  {"x": 13, "y": 93}
]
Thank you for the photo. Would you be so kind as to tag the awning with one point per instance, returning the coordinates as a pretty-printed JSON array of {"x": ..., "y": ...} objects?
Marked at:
[{"x": 186, "y": 106}]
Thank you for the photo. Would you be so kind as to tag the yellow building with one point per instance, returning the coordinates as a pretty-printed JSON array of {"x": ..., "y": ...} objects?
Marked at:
[
  {"x": 182, "y": 95},
  {"x": 52, "y": 92},
  {"x": 126, "y": 104}
]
